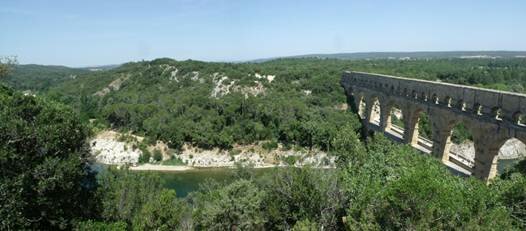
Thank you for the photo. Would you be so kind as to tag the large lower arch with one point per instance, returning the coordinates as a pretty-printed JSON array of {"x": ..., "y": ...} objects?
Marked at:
[
  {"x": 488, "y": 141},
  {"x": 394, "y": 120},
  {"x": 360, "y": 104},
  {"x": 510, "y": 152},
  {"x": 422, "y": 135},
  {"x": 462, "y": 148},
  {"x": 375, "y": 115}
]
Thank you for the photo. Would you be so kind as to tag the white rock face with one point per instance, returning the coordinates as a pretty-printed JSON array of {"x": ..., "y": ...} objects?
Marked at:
[
  {"x": 115, "y": 85},
  {"x": 259, "y": 89},
  {"x": 196, "y": 76},
  {"x": 173, "y": 75},
  {"x": 108, "y": 150},
  {"x": 269, "y": 78},
  {"x": 222, "y": 85},
  {"x": 253, "y": 155}
]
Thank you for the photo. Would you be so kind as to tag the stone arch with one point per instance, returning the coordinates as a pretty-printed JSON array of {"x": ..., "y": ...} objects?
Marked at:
[
  {"x": 461, "y": 105},
  {"x": 360, "y": 104},
  {"x": 374, "y": 117},
  {"x": 394, "y": 119},
  {"x": 422, "y": 134},
  {"x": 518, "y": 119},
  {"x": 414, "y": 95},
  {"x": 487, "y": 146},
  {"x": 447, "y": 101},
  {"x": 423, "y": 96},
  {"x": 434, "y": 99},
  {"x": 509, "y": 152},
  {"x": 496, "y": 113},
  {"x": 477, "y": 109},
  {"x": 443, "y": 127}
]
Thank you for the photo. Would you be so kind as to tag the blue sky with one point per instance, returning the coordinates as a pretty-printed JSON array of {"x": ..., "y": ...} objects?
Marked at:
[{"x": 97, "y": 32}]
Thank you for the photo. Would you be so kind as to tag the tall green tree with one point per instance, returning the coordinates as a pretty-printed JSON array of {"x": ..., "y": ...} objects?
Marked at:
[
  {"x": 238, "y": 205},
  {"x": 163, "y": 212},
  {"x": 45, "y": 180}
]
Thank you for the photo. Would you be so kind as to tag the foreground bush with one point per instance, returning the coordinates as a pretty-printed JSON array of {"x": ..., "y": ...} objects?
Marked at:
[{"x": 44, "y": 174}]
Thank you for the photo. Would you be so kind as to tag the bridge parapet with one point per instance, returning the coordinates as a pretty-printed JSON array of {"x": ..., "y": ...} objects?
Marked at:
[{"x": 491, "y": 116}]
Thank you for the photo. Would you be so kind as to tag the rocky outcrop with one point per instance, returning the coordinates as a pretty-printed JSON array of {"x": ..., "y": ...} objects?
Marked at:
[
  {"x": 115, "y": 85},
  {"x": 107, "y": 149},
  {"x": 114, "y": 148},
  {"x": 223, "y": 85},
  {"x": 254, "y": 155}
]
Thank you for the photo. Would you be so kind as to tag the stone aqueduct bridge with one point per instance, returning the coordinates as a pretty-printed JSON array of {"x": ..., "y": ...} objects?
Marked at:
[{"x": 491, "y": 116}]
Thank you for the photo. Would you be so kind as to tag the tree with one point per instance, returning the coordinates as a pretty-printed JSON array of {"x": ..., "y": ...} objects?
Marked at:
[
  {"x": 298, "y": 194},
  {"x": 347, "y": 146},
  {"x": 396, "y": 188},
  {"x": 6, "y": 64},
  {"x": 305, "y": 225},
  {"x": 45, "y": 179},
  {"x": 234, "y": 206},
  {"x": 163, "y": 212},
  {"x": 511, "y": 191},
  {"x": 91, "y": 225},
  {"x": 123, "y": 194}
]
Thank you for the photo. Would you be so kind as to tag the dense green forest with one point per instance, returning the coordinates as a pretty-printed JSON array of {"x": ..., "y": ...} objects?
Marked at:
[
  {"x": 47, "y": 182},
  {"x": 39, "y": 77}
]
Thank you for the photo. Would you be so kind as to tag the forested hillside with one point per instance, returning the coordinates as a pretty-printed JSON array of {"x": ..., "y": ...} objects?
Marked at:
[
  {"x": 39, "y": 77},
  {"x": 215, "y": 104}
]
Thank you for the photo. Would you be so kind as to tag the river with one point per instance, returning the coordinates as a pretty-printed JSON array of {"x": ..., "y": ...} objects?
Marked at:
[{"x": 188, "y": 181}]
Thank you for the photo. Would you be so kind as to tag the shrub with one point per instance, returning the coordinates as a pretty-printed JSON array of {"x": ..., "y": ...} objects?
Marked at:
[
  {"x": 271, "y": 145},
  {"x": 145, "y": 156},
  {"x": 290, "y": 160},
  {"x": 157, "y": 155}
]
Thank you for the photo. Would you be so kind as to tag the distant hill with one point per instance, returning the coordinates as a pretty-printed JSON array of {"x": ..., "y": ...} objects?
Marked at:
[
  {"x": 40, "y": 77},
  {"x": 410, "y": 55},
  {"x": 101, "y": 68}
]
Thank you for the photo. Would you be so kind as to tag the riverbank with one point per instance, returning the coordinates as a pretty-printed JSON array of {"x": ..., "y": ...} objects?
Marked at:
[
  {"x": 164, "y": 168},
  {"x": 183, "y": 168},
  {"x": 114, "y": 148}
]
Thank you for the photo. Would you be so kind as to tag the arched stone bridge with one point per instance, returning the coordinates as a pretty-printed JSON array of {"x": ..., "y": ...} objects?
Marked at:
[{"x": 491, "y": 116}]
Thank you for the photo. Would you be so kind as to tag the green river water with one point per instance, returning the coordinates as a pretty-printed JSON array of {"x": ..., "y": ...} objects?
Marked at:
[{"x": 188, "y": 181}]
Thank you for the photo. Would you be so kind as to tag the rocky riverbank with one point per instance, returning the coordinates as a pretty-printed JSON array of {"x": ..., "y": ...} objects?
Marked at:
[{"x": 113, "y": 148}]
